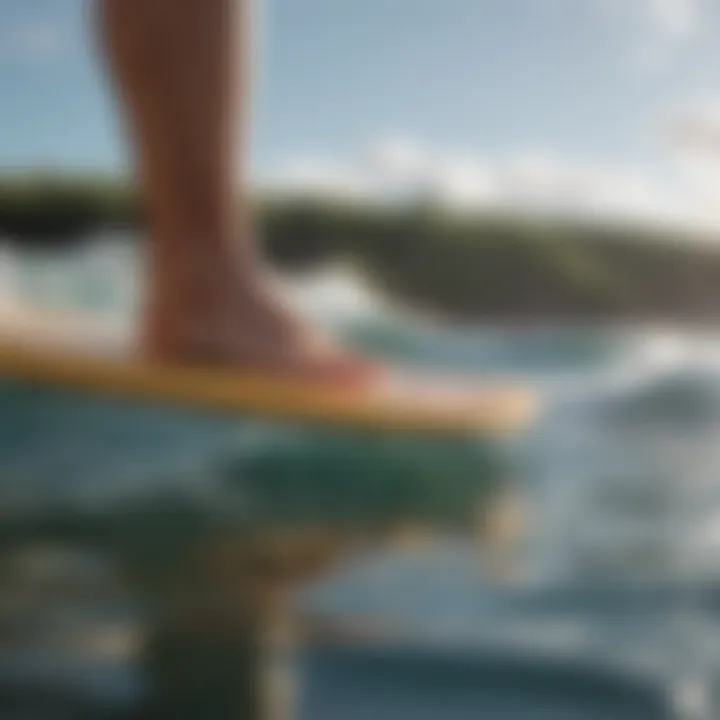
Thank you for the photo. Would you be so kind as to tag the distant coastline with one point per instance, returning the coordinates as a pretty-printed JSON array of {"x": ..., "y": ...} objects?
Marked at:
[{"x": 484, "y": 268}]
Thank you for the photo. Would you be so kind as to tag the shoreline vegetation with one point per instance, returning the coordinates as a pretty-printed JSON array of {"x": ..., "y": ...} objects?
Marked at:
[{"x": 485, "y": 266}]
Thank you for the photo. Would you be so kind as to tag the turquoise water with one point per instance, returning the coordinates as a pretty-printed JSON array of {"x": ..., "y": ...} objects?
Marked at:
[{"x": 613, "y": 606}]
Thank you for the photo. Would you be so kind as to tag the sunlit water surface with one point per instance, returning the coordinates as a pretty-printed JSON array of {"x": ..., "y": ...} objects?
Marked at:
[{"x": 613, "y": 606}]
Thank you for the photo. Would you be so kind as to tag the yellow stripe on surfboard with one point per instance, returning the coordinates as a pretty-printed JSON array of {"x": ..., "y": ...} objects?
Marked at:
[{"x": 31, "y": 351}]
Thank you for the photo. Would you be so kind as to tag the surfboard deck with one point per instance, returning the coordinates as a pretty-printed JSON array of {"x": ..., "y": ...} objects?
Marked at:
[{"x": 78, "y": 352}]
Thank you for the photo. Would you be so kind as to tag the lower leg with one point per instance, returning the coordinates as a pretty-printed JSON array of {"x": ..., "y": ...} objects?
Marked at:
[{"x": 174, "y": 62}]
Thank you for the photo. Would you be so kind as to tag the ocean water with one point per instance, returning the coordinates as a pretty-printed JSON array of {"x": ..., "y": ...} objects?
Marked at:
[{"x": 611, "y": 604}]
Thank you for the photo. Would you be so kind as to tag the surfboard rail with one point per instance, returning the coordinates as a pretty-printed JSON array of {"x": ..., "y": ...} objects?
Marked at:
[{"x": 402, "y": 403}]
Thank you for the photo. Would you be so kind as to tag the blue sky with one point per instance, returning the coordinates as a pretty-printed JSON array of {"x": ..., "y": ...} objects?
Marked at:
[{"x": 484, "y": 97}]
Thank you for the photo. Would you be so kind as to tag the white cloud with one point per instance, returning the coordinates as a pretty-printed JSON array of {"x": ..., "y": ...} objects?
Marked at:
[
  {"x": 400, "y": 168},
  {"x": 695, "y": 144},
  {"x": 582, "y": 188},
  {"x": 674, "y": 24},
  {"x": 464, "y": 182},
  {"x": 315, "y": 176},
  {"x": 397, "y": 156},
  {"x": 675, "y": 19},
  {"x": 697, "y": 130},
  {"x": 659, "y": 28},
  {"x": 531, "y": 180},
  {"x": 389, "y": 170}
]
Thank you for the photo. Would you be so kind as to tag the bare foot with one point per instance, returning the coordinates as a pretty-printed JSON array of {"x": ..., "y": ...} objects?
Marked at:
[{"x": 250, "y": 327}]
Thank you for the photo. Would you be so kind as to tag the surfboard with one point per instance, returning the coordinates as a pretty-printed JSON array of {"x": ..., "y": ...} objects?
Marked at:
[
  {"x": 79, "y": 352},
  {"x": 163, "y": 473}
]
